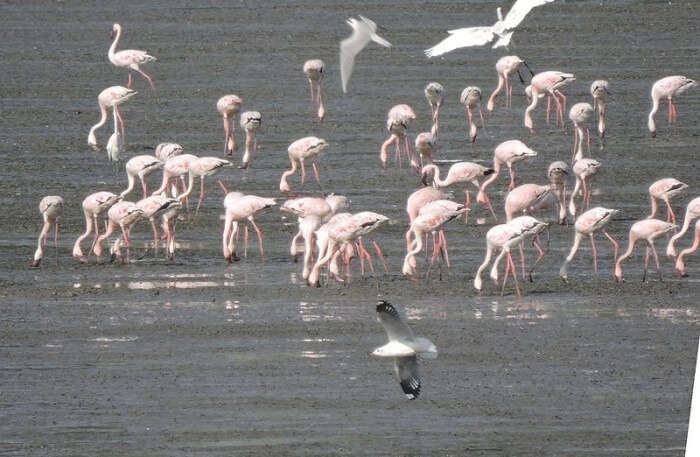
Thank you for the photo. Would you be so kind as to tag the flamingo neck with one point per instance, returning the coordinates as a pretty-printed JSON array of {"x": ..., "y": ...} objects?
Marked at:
[
  {"x": 482, "y": 267},
  {"x": 494, "y": 175},
  {"x": 130, "y": 187},
  {"x": 113, "y": 47},
  {"x": 623, "y": 257},
  {"x": 92, "y": 141},
  {"x": 577, "y": 242},
  {"x": 492, "y": 99},
  {"x": 188, "y": 191},
  {"x": 654, "y": 109}
]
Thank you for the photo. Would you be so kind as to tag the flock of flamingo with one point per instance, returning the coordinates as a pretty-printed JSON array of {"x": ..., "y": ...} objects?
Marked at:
[{"x": 332, "y": 236}]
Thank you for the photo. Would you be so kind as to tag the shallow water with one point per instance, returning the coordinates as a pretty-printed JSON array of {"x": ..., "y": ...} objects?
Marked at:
[{"x": 196, "y": 357}]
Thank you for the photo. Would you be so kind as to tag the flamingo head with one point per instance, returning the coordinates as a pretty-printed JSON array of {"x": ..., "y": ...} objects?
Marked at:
[{"x": 116, "y": 28}]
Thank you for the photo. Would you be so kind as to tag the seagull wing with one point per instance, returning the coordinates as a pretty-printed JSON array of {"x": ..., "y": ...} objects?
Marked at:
[
  {"x": 462, "y": 38},
  {"x": 520, "y": 9},
  {"x": 406, "y": 369},
  {"x": 349, "y": 48},
  {"x": 395, "y": 328}
]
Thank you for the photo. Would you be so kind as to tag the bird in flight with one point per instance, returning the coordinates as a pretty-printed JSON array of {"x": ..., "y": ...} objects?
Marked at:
[
  {"x": 363, "y": 31},
  {"x": 403, "y": 347},
  {"x": 500, "y": 32}
]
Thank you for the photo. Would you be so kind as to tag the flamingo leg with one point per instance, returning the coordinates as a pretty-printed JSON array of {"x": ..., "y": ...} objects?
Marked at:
[
  {"x": 303, "y": 171},
  {"x": 483, "y": 124},
  {"x": 515, "y": 275},
  {"x": 511, "y": 171},
  {"x": 505, "y": 278},
  {"x": 540, "y": 256},
  {"x": 670, "y": 216},
  {"x": 646, "y": 265},
  {"x": 259, "y": 233},
  {"x": 150, "y": 81},
  {"x": 380, "y": 254},
  {"x": 522, "y": 258},
  {"x": 130, "y": 83},
  {"x": 443, "y": 244},
  {"x": 201, "y": 195},
  {"x": 488, "y": 204},
  {"x": 467, "y": 205},
  {"x": 616, "y": 246},
  {"x": 656, "y": 260},
  {"x": 316, "y": 173},
  {"x": 549, "y": 106},
  {"x": 595, "y": 255},
  {"x": 121, "y": 121},
  {"x": 245, "y": 242},
  {"x": 227, "y": 136},
  {"x": 155, "y": 237}
]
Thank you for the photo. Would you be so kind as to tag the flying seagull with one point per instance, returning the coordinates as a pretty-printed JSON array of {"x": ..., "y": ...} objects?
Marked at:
[
  {"x": 500, "y": 32},
  {"x": 403, "y": 347},
  {"x": 363, "y": 31}
]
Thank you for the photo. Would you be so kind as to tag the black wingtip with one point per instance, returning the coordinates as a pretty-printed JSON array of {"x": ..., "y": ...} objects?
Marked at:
[
  {"x": 489, "y": 171},
  {"x": 411, "y": 388},
  {"x": 384, "y": 306}
]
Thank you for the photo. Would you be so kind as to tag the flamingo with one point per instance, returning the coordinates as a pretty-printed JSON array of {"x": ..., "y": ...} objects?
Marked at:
[
  {"x": 500, "y": 238},
  {"x": 313, "y": 69},
  {"x": 600, "y": 92},
  {"x": 506, "y": 67},
  {"x": 583, "y": 169},
  {"x": 509, "y": 153},
  {"x": 228, "y": 106},
  {"x": 416, "y": 201},
  {"x": 51, "y": 209},
  {"x": 499, "y": 33},
  {"x": 93, "y": 205},
  {"x": 123, "y": 214},
  {"x": 434, "y": 93},
  {"x": 111, "y": 97},
  {"x": 524, "y": 197},
  {"x": 431, "y": 219},
  {"x": 692, "y": 212},
  {"x": 242, "y": 209},
  {"x": 323, "y": 240},
  {"x": 201, "y": 168},
  {"x": 157, "y": 206},
  {"x": 667, "y": 87},
  {"x": 398, "y": 120},
  {"x": 130, "y": 58},
  {"x": 426, "y": 144},
  {"x": 647, "y": 230},
  {"x": 557, "y": 173},
  {"x": 302, "y": 149},
  {"x": 580, "y": 114},
  {"x": 250, "y": 122},
  {"x": 529, "y": 227},
  {"x": 174, "y": 167},
  {"x": 363, "y": 31},
  {"x": 592, "y": 221},
  {"x": 165, "y": 151},
  {"x": 548, "y": 82},
  {"x": 140, "y": 166},
  {"x": 462, "y": 172},
  {"x": 347, "y": 232},
  {"x": 665, "y": 189},
  {"x": 680, "y": 264},
  {"x": 471, "y": 99}
]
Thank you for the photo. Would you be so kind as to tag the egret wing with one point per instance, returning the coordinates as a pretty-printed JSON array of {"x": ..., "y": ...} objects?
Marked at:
[{"x": 462, "y": 38}]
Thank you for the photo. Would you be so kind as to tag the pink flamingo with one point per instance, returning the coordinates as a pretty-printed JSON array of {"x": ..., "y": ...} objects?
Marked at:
[
  {"x": 431, "y": 219},
  {"x": 228, "y": 106},
  {"x": 51, "y": 209},
  {"x": 352, "y": 229},
  {"x": 242, "y": 209},
  {"x": 160, "y": 206},
  {"x": 680, "y": 264},
  {"x": 665, "y": 189},
  {"x": 177, "y": 166},
  {"x": 509, "y": 153},
  {"x": 592, "y": 221},
  {"x": 130, "y": 58},
  {"x": 580, "y": 114},
  {"x": 416, "y": 201},
  {"x": 471, "y": 99},
  {"x": 250, "y": 121},
  {"x": 201, "y": 168},
  {"x": 667, "y": 87},
  {"x": 398, "y": 120},
  {"x": 548, "y": 82},
  {"x": 165, "y": 151},
  {"x": 111, "y": 97},
  {"x": 434, "y": 92},
  {"x": 140, "y": 166},
  {"x": 530, "y": 228},
  {"x": 648, "y": 230},
  {"x": 93, "y": 205},
  {"x": 122, "y": 214},
  {"x": 426, "y": 144},
  {"x": 462, "y": 172},
  {"x": 524, "y": 197},
  {"x": 692, "y": 212},
  {"x": 302, "y": 149},
  {"x": 506, "y": 67},
  {"x": 500, "y": 237},
  {"x": 323, "y": 241},
  {"x": 600, "y": 92},
  {"x": 313, "y": 69},
  {"x": 583, "y": 169},
  {"x": 557, "y": 173}
]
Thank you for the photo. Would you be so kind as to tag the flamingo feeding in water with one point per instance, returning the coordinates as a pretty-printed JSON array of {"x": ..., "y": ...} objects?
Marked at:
[
  {"x": 557, "y": 173},
  {"x": 140, "y": 166},
  {"x": 667, "y": 88},
  {"x": 580, "y": 114},
  {"x": 130, "y": 58},
  {"x": 434, "y": 93},
  {"x": 600, "y": 92},
  {"x": 157, "y": 206},
  {"x": 51, "y": 209},
  {"x": 111, "y": 97},
  {"x": 509, "y": 153},
  {"x": 398, "y": 120},
  {"x": 238, "y": 210},
  {"x": 313, "y": 69},
  {"x": 525, "y": 198},
  {"x": 506, "y": 67},
  {"x": 302, "y": 149},
  {"x": 93, "y": 205},
  {"x": 471, "y": 99},
  {"x": 228, "y": 106},
  {"x": 500, "y": 237},
  {"x": 250, "y": 122},
  {"x": 583, "y": 169},
  {"x": 165, "y": 151},
  {"x": 426, "y": 144},
  {"x": 592, "y": 221},
  {"x": 692, "y": 212},
  {"x": 122, "y": 214},
  {"x": 680, "y": 264},
  {"x": 201, "y": 168},
  {"x": 647, "y": 230},
  {"x": 665, "y": 189},
  {"x": 548, "y": 82}
]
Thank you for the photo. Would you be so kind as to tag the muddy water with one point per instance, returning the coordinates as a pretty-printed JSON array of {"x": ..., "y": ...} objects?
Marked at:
[{"x": 194, "y": 357}]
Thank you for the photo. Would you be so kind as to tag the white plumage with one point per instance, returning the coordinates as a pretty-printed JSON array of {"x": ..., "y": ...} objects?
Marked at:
[{"x": 364, "y": 31}]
